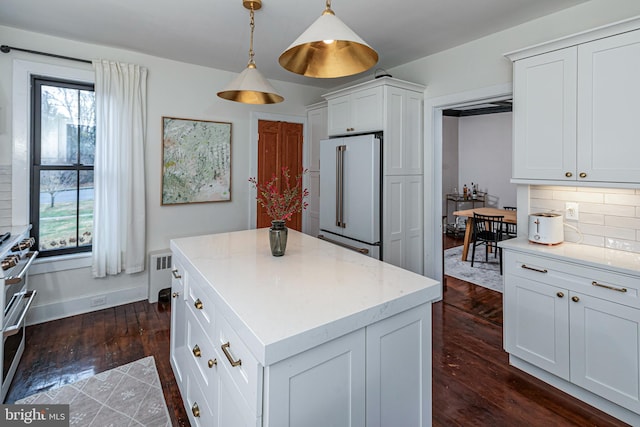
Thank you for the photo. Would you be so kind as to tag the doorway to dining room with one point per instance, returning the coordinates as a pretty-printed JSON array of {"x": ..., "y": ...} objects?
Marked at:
[{"x": 476, "y": 173}]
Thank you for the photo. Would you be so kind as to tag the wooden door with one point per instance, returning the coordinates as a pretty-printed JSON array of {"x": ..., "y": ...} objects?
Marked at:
[{"x": 279, "y": 145}]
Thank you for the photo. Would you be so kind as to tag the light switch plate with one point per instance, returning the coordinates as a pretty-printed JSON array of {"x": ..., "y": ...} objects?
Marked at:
[{"x": 572, "y": 211}]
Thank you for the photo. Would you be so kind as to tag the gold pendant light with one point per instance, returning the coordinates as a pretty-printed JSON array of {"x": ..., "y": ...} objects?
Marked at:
[
  {"x": 249, "y": 87},
  {"x": 328, "y": 49}
]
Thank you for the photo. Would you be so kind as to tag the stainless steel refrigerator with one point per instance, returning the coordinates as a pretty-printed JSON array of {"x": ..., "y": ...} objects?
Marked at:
[{"x": 350, "y": 193}]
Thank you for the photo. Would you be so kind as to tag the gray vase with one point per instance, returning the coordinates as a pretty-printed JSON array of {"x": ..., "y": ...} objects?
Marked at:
[{"x": 278, "y": 237}]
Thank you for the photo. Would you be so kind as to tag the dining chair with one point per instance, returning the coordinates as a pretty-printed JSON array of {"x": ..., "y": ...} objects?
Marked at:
[
  {"x": 510, "y": 230},
  {"x": 488, "y": 231}
]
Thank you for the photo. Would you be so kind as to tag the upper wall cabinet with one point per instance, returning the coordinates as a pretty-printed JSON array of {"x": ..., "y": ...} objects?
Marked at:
[
  {"x": 576, "y": 109},
  {"x": 357, "y": 112},
  {"x": 388, "y": 105}
]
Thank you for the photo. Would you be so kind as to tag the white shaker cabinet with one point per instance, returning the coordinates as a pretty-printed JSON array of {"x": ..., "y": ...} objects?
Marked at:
[
  {"x": 575, "y": 321},
  {"x": 403, "y": 132},
  {"x": 608, "y": 109},
  {"x": 316, "y": 131},
  {"x": 544, "y": 119},
  {"x": 575, "y": 109},
  {"x": 402, "y": 215},
  {"x": 360, "y": 111}
]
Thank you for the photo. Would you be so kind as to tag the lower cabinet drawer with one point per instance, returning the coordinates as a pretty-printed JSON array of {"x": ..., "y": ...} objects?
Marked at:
[
  {"x": 202, "y": 355},
  {"x": 242, "y": 367},
  {"x": 198, "y": 405}
]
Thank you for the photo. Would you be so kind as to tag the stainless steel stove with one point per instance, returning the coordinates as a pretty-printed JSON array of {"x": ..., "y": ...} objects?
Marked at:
[{"x": 15, "y": 260}]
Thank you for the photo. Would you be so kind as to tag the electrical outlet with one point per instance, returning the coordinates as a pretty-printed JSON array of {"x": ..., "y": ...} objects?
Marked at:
[
  {"x": 571, "y": 211},
  {"x": 96, "y": 301}
]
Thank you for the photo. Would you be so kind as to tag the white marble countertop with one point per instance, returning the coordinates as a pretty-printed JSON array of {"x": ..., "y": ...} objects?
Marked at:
[
  {"x": 610, "y": 259},
  {"x": 316, "y": 292}
]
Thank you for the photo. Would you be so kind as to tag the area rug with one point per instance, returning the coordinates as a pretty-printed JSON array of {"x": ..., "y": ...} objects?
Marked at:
[
  {"x": 129, "y": 395},
  {"x": 486, "y": 274}
]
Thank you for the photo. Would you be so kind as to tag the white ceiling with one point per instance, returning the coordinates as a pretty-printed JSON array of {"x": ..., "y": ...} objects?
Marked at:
[{"x": 215, "y": 33}]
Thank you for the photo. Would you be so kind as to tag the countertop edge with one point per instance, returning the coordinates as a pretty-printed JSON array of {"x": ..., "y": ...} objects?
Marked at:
[{"x": 590, "y": 256}]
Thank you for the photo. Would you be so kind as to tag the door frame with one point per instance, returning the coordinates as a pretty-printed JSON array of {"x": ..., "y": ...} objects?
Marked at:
[
  {"x": 253, "y": 157},
  {"x": 433, "y": 168}
]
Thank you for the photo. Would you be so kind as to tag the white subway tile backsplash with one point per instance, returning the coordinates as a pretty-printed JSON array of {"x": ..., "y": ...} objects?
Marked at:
[
  {"x": 622, "y": 245},
  {"x": 622, "y": 221},
  {"x": 590, "y": 240},
  {"x": 608, "y": 217},
  {"x": 599, "y": 208},
  {"x": 620, "y": 233},
  {"x": 541, "y": 193},
  {"x": 590, "y": 218},
  {"x": 542, "y": 205},
  {"x": 622, "y": 199},
  {"x": 591, "y": 197}
]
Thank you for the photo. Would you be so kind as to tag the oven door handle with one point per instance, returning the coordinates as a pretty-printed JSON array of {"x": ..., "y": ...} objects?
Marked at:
[
  {"x": 18, "y": 278},
  {"x": 15, "y": 328}
]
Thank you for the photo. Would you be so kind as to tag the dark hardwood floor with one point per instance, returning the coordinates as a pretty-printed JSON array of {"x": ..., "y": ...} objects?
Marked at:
[
  {"x": 473, "y": 384},
  {"x": 70, "y": 349}
]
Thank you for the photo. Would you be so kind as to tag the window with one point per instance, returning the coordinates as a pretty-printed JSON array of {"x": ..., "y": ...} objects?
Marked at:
[{"x": 62, "y": 154}]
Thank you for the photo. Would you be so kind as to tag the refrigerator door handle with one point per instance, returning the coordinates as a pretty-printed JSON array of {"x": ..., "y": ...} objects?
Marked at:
[{"x": 340, "y": 149}]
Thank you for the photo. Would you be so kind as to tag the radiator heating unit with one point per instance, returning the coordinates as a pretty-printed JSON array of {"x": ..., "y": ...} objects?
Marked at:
[{"x": 159, "y": 273}]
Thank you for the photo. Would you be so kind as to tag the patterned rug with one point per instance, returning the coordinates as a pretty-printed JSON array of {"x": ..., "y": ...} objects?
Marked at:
[
  {"x": 129, "y": 395},
  {"x": 486, "y": 274}
]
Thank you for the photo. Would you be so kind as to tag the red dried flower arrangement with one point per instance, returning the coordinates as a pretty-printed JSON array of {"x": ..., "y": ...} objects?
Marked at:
[{"x": 281, "y": 204}]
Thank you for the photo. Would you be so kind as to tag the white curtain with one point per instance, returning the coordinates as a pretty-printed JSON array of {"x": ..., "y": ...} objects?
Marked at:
[{"x": 119, "y": 210}]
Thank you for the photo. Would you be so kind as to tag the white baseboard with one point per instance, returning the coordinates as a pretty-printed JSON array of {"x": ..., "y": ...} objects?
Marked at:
[{"x": 62, "y": 309}]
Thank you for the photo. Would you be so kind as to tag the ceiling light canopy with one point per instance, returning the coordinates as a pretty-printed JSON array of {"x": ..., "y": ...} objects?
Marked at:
[
  {"x": 249, "y": 87},
  {"x": 328, "y": 49}
]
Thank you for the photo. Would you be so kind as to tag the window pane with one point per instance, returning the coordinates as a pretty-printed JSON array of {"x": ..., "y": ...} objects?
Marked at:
[
  {"x": 67, "y": 126},
  {"x": 85, "y": 229},
  {"x": 87, "y": 132},
  {"x": 58, "y": 209}
]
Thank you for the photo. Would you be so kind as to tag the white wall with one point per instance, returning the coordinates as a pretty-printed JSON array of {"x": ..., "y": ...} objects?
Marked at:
[
  {"x": 485, "y": 156},
  {"x": 481, "y": 63},
  {"x": 174, "y": 89}
]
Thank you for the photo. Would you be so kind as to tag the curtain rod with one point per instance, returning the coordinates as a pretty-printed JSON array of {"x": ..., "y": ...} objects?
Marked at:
[{"x": 6, "y": 49}]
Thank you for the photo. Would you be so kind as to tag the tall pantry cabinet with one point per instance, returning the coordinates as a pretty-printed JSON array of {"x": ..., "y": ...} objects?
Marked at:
[
  {"x": 316, "y": 131},
  {"x": 394, "y": 107}
]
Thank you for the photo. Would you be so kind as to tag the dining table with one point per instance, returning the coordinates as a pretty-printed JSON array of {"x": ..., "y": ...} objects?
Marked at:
[{"x": 510, "y": 217}]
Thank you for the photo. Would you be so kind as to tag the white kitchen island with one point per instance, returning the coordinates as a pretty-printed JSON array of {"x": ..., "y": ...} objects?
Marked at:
[{"x": 322, "y": 336}]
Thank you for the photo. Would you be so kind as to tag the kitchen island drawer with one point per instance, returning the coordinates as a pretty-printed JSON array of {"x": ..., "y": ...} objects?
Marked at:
[
  {"x": 203, "y": 357},
  {"x": 605, "y": 284},
  {"x": 239, "y": 362},
  {"x": 199, "y": 300}
]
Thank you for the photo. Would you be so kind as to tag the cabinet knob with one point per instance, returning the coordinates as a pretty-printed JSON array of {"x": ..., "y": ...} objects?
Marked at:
[
  {"x": 198, "y": 304},
  {"x": 175, "y": 294},
  {"x": 195, "y": 409},
  {"x": 212, "y": 362},
  {"x": 560, "y": 294},
  {"x": 196, "y": 351},
  {"x": 575, "y": 299},
  {"x": 175, "y": 273},
  {"x": 583, "y": 175},
  {"x": 568, "y": 174}
]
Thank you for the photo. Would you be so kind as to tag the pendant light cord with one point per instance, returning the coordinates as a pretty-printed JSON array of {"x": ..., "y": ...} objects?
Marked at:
[{"x": 253, "y": 26}]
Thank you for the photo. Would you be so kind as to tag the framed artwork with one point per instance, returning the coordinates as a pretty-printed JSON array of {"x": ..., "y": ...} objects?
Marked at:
[{"x": 196, "y": 161}]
